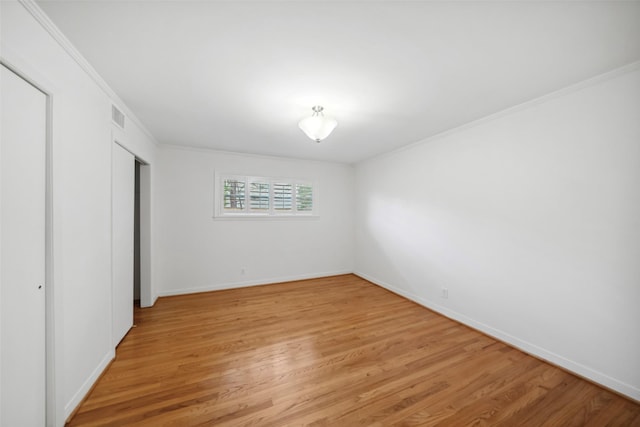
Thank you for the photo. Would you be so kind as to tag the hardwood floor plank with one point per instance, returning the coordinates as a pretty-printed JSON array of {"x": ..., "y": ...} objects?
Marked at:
[{"x": 336, "y": 351}]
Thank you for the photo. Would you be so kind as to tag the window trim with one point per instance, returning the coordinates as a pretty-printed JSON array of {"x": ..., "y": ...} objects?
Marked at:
[{"x": 271, "y": 214}]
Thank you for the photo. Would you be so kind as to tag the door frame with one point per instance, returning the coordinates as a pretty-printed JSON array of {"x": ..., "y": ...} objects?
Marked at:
[
  {"x": 146, "y": 294},
  {"x": 53, "y": 337}
]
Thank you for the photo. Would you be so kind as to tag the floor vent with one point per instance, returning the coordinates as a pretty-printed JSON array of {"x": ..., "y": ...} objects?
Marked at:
[{"x": 117, "y": 116}]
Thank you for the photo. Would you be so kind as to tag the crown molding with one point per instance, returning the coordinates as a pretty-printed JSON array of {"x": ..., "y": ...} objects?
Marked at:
[
  {"x": 32, "y": 7},
  {"x": 592, "y": 81},
  {"x": 216, "y": 151}
]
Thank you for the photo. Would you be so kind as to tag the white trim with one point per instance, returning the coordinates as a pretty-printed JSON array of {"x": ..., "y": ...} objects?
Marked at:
[
  {"x": 53, "y": 294},
  {"x": 32, "y": 7},
  {"x": 265, "y": 217},
  {"x": 542, "y": 353},
  {"x": 251, "y": 155},
  {"x": 145, "y": 235},
  {"x": 592, "y": 81},
  {"x": 112, "y": 345},
  {"x": 76, "y": 399},
  {"x": 247, "y": 283}
]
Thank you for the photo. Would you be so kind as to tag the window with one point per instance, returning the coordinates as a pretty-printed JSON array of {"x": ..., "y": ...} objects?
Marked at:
[
  {"x": 304, "y": 198},
  {"x": 251, "y": 196},
  {"x": 282, "y": 196},
  {"x": 234, "y": 195},
  {"x": 259, "y": 196}
]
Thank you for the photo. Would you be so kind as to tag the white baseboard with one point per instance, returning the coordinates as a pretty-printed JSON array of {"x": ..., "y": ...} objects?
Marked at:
[
  {"x": 243, "y": 284},
  {"x": 89, "y": 382},
  {"x": 539, "y": 352}
]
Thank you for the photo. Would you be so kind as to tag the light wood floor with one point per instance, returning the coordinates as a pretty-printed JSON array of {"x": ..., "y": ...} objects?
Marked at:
[{"x": 337, "y": 351}]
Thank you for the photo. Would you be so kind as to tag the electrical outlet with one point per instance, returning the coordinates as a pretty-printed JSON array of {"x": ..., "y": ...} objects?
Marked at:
[
  {"x": 242, "y": 271},
  {"x": 444, "y": 293}
]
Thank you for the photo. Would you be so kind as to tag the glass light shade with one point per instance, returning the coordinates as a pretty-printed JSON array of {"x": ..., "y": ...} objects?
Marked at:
[{"x": 318, "y": 127}]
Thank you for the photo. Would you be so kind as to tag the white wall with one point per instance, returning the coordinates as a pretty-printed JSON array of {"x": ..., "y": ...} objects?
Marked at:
[
  {"x": 197, "y": 252},
  {"x": 530, "y": 219},
  {"x": 81, "y": 188}
]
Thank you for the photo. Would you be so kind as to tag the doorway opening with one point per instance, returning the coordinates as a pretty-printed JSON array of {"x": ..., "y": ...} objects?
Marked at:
[
  {"x": 131, "y": 234},
  {"x": 136, "y": 237},
  {"x": 142, "y": 240}
]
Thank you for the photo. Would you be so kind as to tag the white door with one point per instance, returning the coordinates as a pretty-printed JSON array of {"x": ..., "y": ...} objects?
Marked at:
[
  {"x": 23, "y": 117},
  {"x": 122, "y": 210}
]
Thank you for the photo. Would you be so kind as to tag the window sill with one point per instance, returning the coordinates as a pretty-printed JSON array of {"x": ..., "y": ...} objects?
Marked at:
[{"x": 266, "y": 217}]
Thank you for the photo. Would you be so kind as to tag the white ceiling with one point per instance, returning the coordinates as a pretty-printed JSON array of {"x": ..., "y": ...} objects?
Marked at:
[{"x": 239, "y": 75}]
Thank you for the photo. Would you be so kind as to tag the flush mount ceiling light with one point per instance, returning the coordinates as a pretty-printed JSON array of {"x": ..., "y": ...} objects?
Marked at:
[{"x": 318, "y": 127}]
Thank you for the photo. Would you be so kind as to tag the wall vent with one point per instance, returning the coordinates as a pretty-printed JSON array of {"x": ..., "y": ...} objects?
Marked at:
[{"x": 117, "y": 116}]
